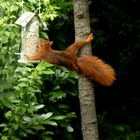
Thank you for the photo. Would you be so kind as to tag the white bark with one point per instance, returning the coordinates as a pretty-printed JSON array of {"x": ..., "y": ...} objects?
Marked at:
[{"x": 86, "y": 89}]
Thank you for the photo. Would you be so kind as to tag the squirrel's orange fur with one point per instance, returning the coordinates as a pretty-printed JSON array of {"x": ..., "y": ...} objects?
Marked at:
[{"x": 91, "y": 66}]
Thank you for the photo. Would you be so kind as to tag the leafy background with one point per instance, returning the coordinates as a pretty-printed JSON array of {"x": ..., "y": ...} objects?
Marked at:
[{"x": 40, "y": 101}]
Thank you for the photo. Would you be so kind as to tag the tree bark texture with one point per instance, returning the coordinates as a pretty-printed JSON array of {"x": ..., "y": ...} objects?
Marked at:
[{"x": 86, "y": 89}]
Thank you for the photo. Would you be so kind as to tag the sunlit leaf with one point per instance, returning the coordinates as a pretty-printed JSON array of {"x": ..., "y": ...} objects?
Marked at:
[
  {"x": 37, "y": 107},
  {"x": 70, "y": 129},
  {"x": 51, "y": 123},
  {"x": 26, "y": 118},
  {"x": 46, "y": 116},
  {"x": 3, "y": 125},
  {"x": 58, "y": 117},
  {"x": 39, "y": 127}
]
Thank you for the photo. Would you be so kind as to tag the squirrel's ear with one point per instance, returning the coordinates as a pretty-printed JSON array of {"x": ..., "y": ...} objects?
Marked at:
[
  {"x": 51, "y": 42},
  {"x": 43, "y": 42},
  {"x": 47, "y": 43}
]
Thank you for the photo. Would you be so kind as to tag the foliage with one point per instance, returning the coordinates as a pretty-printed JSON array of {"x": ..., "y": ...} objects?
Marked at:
[
  {"x": 32, "y": 110},
  {"x": 34, "y": 100},
  {"x": 38, "y": 103},
  {"x": 10, "y": 44},
  {"x": 10, "y": 33},
  {"x": 63, "y": 24}
]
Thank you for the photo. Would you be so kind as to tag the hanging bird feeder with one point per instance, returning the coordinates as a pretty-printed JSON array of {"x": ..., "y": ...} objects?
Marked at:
[{"x": 29, "y": 22}]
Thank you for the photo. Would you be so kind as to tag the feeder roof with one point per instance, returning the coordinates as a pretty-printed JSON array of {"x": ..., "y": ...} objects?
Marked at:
[{"x": 24, "y": 19}]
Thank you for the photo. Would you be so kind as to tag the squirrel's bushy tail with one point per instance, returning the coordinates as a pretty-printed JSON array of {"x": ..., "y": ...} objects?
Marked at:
[{"x": 95, "y": 68}]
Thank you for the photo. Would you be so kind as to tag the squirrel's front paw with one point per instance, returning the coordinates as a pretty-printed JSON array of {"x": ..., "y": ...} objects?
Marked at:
[{"x": 90, "y": 37}]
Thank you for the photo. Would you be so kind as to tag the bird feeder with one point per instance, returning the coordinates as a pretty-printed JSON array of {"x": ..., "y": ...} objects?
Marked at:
[{"x": 29, "y": 22}]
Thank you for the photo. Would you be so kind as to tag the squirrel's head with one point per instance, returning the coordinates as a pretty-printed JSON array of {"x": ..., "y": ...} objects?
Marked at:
[{"x": 44, "y": 43}]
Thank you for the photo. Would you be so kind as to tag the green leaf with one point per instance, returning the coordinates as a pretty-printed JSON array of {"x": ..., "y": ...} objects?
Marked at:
[
  {"x": 21, "y": 85},
  {"x": 17, "y": 88},
  {"x": 7, "y": 33},
  {"x": 58, "y": 117},
  {"x": 56, "y": 87},
  {"x": 47, "y": 138},
  {"x": 46, "y": 2},
  {"x": 46, "y": 116},
  {"x": 26, "y": 118},
  {"x": 8, "y": 114},
  {"x": 37, "y": 107},
  {"x": 3, "y": 125},
  {"x": 33, "y": 1},
  {"x": 70, "y": 129},
  {"x": 4, "y": 138},
  {"x": 30, "y": 131},
  {"x": 57, "y": 95},
  {"x": 48, "y": 133},
  {"x": 23, "y": 80},
  {"x": 42, "y": 117},
  {"x": 39, "y": 127},
  {"x": 48, "y": 71},
  {"x": 15, "y": 126},
  {"x": 73, "y": 75},
  {"x": 51, "y": 123},
  {"x": 44, "y": 35},
  {"x": 21, "y": 70},
  {"x": 72, "y": 81},
  {"x": 71, "y": 115}
]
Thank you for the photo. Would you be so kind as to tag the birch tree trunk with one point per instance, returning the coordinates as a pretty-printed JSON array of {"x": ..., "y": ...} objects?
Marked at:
[{"x": 86, "y": 89}]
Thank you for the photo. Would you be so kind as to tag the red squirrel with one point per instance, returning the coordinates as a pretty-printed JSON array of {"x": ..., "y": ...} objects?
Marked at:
[{"x": 91, "y": 66}]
